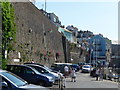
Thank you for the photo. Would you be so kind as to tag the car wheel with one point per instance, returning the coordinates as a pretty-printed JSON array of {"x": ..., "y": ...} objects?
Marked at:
[{"x": 41, "y": 83}]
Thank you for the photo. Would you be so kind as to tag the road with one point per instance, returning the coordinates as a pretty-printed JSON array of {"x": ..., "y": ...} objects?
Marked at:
[{"x": 84, "y": 80}]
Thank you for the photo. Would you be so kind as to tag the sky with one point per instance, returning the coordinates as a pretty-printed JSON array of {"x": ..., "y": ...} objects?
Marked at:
[{"x": 97, "y": 17}]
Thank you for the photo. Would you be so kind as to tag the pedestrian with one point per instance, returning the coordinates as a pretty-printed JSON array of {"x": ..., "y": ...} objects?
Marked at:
[
  {"x": 66, "y": 71},
  {"x": 63, "y": 82},
  {"x": 73, "y": 75},
  {"x": 101, "y": 74},
  {"x": 97, "y": 74}
]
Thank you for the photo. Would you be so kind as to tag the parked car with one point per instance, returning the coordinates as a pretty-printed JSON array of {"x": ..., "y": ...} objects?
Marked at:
[
  {"x": 45, "y": 71},
  {"x": 113, "y": 76},
  {"x": 86, "y": 68},
  {"x": 76, "y": 67},
  {"x": 42, "y": 66},
  {"x": 11, "y": 81},
  {"x": 31, "y": 75},
  {"x": 81, "y": 64},
  {"x": 93, "y": 72},
  {"x": 60, "y": 67}
]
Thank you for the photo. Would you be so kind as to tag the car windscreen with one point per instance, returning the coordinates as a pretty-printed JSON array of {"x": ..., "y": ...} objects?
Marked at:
[
  {"x": 75, "y": 65},
  {"x": 48, "y": 68},
  {"x": 15, "y": 79}
]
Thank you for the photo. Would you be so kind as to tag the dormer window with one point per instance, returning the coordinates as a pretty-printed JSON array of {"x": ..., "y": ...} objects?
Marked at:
[{"x": 55, "y": 20}]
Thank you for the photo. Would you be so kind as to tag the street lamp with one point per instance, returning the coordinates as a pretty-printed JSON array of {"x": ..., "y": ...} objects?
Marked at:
[{"x": 30, "y": 41}]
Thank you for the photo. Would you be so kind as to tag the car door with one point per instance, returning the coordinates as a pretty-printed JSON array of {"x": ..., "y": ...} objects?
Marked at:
[{"x": 29, "y": 75}]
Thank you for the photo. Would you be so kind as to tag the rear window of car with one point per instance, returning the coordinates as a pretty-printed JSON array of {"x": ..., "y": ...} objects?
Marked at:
[
  {"x": 86, "y": 66},
  {"x": 15, "y": 79}
]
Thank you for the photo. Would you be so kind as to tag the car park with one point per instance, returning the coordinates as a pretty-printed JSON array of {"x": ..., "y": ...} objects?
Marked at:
[
  {"x": 11, "y": 81},
  {"x": 86, "y": 68},
  {"x": 45, "y": 71},
  {"x": 31, "y": 75}
]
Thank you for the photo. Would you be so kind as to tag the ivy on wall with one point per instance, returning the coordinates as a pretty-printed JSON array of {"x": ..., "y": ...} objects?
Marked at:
[{"x": 8, "y": 29}]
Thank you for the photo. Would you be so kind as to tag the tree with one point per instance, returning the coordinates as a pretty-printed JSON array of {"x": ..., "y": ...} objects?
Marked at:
[{"x": 8, "y": 29}]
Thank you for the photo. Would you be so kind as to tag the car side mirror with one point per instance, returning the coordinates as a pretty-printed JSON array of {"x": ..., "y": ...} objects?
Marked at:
[
  {"x": 4, "y": 84},
  {"x": 33, "y": 73}
]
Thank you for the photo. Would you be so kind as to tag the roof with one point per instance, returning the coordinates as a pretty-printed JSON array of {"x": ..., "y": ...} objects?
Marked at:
[
  {"x": 2, "y": 70},
  {"x": 21, "y": 65},
  {"x": 35, "y": 65},
  {"x": 63, "y": 63},
  {"x": 65, "y": 30}
]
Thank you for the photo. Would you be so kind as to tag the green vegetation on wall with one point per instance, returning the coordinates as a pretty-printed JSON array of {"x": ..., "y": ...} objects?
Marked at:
[{"x": 8, "y": 29}]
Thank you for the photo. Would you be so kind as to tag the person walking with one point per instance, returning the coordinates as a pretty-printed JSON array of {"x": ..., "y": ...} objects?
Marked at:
[
  {"x": 97, "y": 74},
  {"x": 66, "y": 70},
  {"x": 101, "y": 74},
  {"x": 73, "y": 75}
]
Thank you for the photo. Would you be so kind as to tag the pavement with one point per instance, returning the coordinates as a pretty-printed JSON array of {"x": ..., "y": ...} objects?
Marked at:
[{"x": 84, "y": 80}]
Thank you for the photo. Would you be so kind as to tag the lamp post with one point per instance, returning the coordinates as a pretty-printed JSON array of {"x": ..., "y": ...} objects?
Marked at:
[{"x": 30, "y": 41}]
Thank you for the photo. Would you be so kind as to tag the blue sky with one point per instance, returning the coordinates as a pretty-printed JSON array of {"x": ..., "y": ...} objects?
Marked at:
[{"x": 98, "y": 17}]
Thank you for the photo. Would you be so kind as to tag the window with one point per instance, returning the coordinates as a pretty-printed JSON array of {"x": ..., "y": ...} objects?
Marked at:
[
  {"x": 15, "y": 79},
  {"x": 28, "y": 71},
  {"x": 55, "y": 20},
  {"x": 17, "y": 69},
  {"x": 4, "y": 80},
  {"x": 14, "y": 69},
  {"x": 41, "y": 70}
]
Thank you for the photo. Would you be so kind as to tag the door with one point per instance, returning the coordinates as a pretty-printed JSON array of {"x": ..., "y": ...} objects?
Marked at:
[{"x": 29, "y": 75}]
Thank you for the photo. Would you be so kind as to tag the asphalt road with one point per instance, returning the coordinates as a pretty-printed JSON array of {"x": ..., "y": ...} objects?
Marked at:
[{"x": 84, "y": 80}]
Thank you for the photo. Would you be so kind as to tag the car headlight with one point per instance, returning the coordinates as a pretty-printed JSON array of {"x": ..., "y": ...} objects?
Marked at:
[
  {"x": 51, "y": 79},
  {"x": 113, "y": 74}
]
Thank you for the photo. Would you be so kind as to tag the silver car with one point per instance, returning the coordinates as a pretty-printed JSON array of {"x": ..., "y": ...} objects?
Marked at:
[
  {"x": 86, "y": 68},
  {"x": 9, "y": 80},
  {"x": 45, "y": 71}
]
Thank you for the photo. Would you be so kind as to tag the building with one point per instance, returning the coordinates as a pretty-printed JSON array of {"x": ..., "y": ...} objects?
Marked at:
[
  {"x": 84, "y": 35},
  {"x": 53, "y": 18},
  {"x": 66, "y": 33},
  {"x": 100, "y": 50},
  {"x": 74, "y": 31},
  {"x": 115, "y": 59}
]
